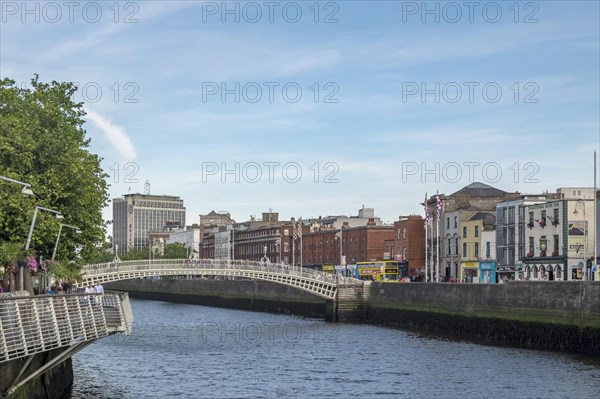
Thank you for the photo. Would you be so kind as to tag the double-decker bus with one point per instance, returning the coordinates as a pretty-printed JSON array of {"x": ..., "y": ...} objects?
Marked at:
[
  {"x": 330, "y": 269},
  {"x": 381, "y": 270}
]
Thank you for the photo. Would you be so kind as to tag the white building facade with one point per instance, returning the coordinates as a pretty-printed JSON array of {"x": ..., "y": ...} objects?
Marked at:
[{"x": 190, "y": 237}]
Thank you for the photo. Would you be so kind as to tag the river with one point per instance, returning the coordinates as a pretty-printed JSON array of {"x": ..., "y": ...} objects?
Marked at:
[{"x": 191, "y": 351}]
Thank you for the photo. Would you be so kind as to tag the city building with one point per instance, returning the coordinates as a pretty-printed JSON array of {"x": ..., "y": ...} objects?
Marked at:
[
  {"x": 188, "y": 236},
  {"x": 210, "y": 224},
  {"x": 409, "y": 244},
  {"x": 510, "y": 232},
  {"x": 478, "y": 263},
  {"x": 248, "y": 240},
  {"x": 134, "y": 215},
  {"x": 469, "y": 200},
  {"x": 560, "y": 237},
  {"x": 336, "y": 222},
  {"x": 359, "y": 244}
]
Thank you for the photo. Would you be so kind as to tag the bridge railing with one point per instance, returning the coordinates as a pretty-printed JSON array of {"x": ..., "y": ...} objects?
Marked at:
[
  {"x": 30, "y": 325},
  {"x": 204, "y": 265}
]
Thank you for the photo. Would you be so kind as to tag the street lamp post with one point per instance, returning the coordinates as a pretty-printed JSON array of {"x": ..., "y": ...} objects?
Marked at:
[
  {"x": 339, "y": 237},
  {"x": 232, "y": 242},
  {"x": 59, "y": 216},
  {"x": 26, "y": 186},
  {"x": 581, "y": 204},
  {"x": 77, "y": 231}
]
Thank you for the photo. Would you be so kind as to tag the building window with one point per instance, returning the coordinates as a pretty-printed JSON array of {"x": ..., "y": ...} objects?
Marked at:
[
  {"x": 531, "y": 218},
  {"x": 456, "y": 245},
  {"x": 464, "y": 254},
  {"x": 555, "y": 221},
  {"x": 449, "y": 246},
  {"x": 543, "y": 218},
  {"x": 455, "y": 222},
  {"x": 465, "y": 232},
  {"x": 448, "y": 222},
  {"x": 487, "y": 249},
  {"x": 531, "y": 245},
  {"x": 476, "y": 249},
  {"x": 511, "y": 215},
  {"x": 476, "y": 231},
  {"x": 555, "y": 247}
]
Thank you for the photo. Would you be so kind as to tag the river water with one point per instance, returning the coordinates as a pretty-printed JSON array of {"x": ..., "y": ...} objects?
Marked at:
[{"x": 192, "y": 351}]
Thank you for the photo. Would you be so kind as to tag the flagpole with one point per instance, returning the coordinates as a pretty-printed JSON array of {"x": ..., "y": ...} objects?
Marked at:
[
  {"x": 426, "y": 209},
  {"x": 438, "y": 206},
  {"x": 426, "y": 260},
  {"x": 293, "y": 245},
  {"x": 437, "y": 252},
  {"x": 300, "y": 232},
  {"x": 595, "y": 225}
]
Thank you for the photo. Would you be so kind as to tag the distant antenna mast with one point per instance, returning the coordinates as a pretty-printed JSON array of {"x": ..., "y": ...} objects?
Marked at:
[{"x": 147, "y": 187}]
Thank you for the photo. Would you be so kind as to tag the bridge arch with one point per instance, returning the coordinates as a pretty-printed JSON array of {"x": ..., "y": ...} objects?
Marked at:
[{"x": 318, "y": 283}]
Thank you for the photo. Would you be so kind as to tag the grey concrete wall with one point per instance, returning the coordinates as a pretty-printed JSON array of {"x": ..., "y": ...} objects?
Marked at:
[
  {"x": 562, "y": 316},
  {"x": 569, "y": 302},
  {"x": 237, "y": 294}
]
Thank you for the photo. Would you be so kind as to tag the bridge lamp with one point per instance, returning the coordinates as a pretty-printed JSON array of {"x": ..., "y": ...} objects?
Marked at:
[
  {"x": 26, "y": 186},
  {"x": 77, "y": 231},
  {"x": 58, "y": 216}
]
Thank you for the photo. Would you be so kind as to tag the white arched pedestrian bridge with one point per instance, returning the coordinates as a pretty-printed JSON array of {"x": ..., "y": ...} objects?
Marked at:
[{"x": 318, "y": 283}]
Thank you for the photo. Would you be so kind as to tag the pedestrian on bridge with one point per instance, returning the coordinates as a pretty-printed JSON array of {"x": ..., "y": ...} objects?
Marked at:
[{"x": 98, "y": 288}]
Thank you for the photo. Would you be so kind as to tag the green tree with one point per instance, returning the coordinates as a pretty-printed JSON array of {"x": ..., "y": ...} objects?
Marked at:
[
  {"x": 135, "y": 254},
  {"x": 43, "y": 142},
  {"x": 175, "y": 250}
]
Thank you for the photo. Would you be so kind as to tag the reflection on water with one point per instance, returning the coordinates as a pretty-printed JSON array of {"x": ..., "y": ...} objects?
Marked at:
[{"x": 201, "y": 352}]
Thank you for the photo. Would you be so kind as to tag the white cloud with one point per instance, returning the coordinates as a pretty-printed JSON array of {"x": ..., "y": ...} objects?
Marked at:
[{"x": 115, "y": 135}]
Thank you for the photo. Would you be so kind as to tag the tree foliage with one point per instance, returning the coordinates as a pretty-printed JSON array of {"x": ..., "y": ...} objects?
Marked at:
[
  {"x": 175, "y": 250},
  {"x": 43, "y": 142}
]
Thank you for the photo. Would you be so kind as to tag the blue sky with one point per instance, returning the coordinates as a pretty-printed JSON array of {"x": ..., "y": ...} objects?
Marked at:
[{"x": 399, "y": 91}]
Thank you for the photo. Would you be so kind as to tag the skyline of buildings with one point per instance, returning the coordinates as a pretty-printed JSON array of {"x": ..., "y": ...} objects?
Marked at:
[{"x": 484, "y": 234}]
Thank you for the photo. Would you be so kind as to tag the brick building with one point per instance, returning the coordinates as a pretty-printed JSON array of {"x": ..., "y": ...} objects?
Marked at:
[
  {"x": 409, "y": 243},
  {"x": 247, "y": 240},
  {"x": 359, "y": 244}
]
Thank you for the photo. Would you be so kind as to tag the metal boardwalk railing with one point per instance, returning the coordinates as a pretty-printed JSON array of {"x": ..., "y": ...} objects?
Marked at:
[
  {"x": 31, "y": 325},
  {"x": 319, "y": 283}
]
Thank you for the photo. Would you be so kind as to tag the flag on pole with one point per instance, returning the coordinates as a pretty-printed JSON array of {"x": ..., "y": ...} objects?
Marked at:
[
  {"x": 438, "y": 206},
  {"x": 427, "y": 215},
  {"x": 295, "y": 230},
  {"x": 299, "y": 229}
]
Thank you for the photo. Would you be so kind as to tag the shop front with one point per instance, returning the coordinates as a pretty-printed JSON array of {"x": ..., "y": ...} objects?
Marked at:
[
  {"x": 469, "y": 272},
  {"x": 487, "y": 272},
  {"x": 506, "y": 273},
  {"x": 544, "y": 270}
]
